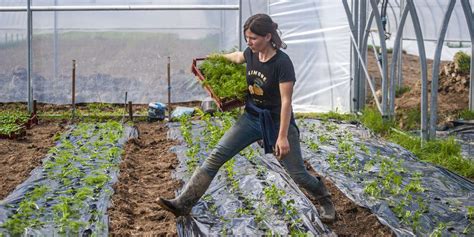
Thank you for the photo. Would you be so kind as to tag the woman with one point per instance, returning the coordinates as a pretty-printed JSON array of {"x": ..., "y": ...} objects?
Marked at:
[{"x": 270, "y": 78}]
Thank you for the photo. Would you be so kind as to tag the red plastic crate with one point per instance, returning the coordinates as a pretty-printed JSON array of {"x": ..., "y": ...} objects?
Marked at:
[{"x": 224, "y": 105}]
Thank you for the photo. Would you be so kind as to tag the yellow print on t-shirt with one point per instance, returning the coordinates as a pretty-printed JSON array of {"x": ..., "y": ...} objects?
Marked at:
[{"x": 255, "y": 90}]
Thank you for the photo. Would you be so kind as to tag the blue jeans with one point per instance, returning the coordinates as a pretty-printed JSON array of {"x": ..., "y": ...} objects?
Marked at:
[{"x": 245, "y": 132}]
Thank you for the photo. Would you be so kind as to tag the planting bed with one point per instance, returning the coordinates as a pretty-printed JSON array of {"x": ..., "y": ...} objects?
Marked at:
[
  {"x": 410, "y": 196},
  {"x": 69, "y": 193},
  {"x": 19, "y": 157},
  {"x": 251, "y": 194}
]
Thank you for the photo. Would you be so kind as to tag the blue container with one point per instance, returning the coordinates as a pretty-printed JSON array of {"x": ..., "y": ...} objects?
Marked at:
[{"x": 156, "y": 111}]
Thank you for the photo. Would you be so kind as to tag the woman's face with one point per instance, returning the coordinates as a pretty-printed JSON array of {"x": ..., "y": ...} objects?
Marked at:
[{"x": 256, "y": 42}]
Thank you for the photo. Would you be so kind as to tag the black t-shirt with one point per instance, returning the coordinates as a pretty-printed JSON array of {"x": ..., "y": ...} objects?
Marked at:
[{"x": 263, "y": 79}]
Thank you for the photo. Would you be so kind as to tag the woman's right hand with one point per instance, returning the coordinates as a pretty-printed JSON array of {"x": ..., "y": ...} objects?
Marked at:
[{"x": 235, "y": 57}]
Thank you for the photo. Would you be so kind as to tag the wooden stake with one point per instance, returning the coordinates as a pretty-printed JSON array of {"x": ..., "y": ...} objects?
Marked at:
[{"x": 130, "y": 110}]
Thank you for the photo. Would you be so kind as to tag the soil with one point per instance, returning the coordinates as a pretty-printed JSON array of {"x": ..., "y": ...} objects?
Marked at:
[
  {"x": 351, "y": 219},
  {"x": 145, "y": 175},
  {"x": 20, "y": 156}
]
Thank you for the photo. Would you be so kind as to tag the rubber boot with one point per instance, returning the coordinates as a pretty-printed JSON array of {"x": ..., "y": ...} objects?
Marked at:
[
  {"x": 328, "y": 212},
  {"x": 192, "y": 192}
]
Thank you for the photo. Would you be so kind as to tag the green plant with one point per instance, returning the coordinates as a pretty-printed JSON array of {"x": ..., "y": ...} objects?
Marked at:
[
  {"x": 226, "y": 79},
  {"x": 400, "y": 90},
  {"x": 462, "y": 62},
  {"x": 438, "y": 231},
  {"x": 336, "y": 115},
  {"x": 373, "y": 120},
  {"x": 470, "y": 213},
  {"x": 466, "y": 114},
  {"x": 410, "y": 119}
]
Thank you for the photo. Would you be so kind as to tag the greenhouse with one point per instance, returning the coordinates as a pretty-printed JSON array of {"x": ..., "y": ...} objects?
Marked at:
[{"x": 193, "y": 118}]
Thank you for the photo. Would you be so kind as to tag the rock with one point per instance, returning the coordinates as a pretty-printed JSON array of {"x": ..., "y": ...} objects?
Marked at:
[{"x": 447, "y": 70}]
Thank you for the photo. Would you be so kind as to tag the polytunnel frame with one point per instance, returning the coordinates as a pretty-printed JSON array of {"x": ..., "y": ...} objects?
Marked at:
[
  {"x": 30, "y": 9},
  {"x": 427, "y": 131}
]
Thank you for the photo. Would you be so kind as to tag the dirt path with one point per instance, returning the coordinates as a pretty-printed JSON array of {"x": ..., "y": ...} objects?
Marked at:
[
  {"x": 145, "y": 174},
  {"x": 352, "y": 220},
  {"x": 19, "y": 157}
]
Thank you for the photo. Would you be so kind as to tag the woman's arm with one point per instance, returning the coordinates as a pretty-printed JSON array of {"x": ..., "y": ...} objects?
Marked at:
[
  {"x": 282, "y": 144},
  {"x": 235, "y": 57}
]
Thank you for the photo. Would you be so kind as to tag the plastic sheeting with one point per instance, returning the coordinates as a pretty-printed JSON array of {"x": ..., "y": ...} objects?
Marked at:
[
  {"x": 464, "y": 132},
  {"x": 133, "y": 58},
  {"x": 217, "y": 212},
  {"x": 430, "y": 14},
  {"x": 431, "y": 18},
  {"x": 317, "y": 35},
  {"x": 447, "y": 195},
  {"x": 116, "y": 52},
  {"x": 93, "y": 210}
]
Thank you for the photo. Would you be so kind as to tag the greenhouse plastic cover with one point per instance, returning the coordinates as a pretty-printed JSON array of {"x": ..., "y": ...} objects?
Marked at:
[
  {"x": 120, "y": 52},
  {"x": 127, "y": 51},
  {"x": 204, "y": 221},
  {"x": 430, "y": 14}
]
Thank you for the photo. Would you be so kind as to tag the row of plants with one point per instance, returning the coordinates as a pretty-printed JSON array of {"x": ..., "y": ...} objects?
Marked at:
[
  {"x": 384, "y": 177},
  {"x": 258, "y": 208},
  {"x": 12, "y": 122},
  {"x": 74, "y": 182}
]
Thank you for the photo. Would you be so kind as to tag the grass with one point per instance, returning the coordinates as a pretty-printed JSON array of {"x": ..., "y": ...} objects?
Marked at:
[
  {"x": 373, "y": 120},
  {"x": 466, "y": 115},
  {"x": 443, "y": 152},
  {"x": 409, "y": 119},
  {"x": 399, "y": 91},
  {"x": 463, "y": 62},
  {"x": 326, "y": 116}
]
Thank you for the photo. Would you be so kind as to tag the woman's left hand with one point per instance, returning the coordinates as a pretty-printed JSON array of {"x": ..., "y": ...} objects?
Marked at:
[{"x": 282, "y": 147}]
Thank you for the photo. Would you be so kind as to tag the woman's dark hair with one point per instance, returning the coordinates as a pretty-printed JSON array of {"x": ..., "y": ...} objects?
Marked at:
[{"x": 262, "y": 24}]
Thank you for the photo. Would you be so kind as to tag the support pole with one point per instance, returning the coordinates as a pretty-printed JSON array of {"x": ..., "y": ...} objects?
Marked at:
[
  {"x": 383, "y": 46},
  {"x": 34, "y": 107},
  {"x": 396, "y": 51},
  {"x": 400, "y": 54},
  {"x": 55, "y": 43},
  {"x": 30, "y": 57},
  {"x": 356, "y": 66},
  {"x": 169, "y": 87},
  {"x": 73, "y": 92},
  {"x": 130, "y": 111},
  {"x": 424, "y": 76},
  {"x": 466, "y": 7},
  {"x": 239, "y": 30},
  {"x": 435, "y": 74},
  {"x": 362, "y": 22},
  {"x": 358, "y": 54}
]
